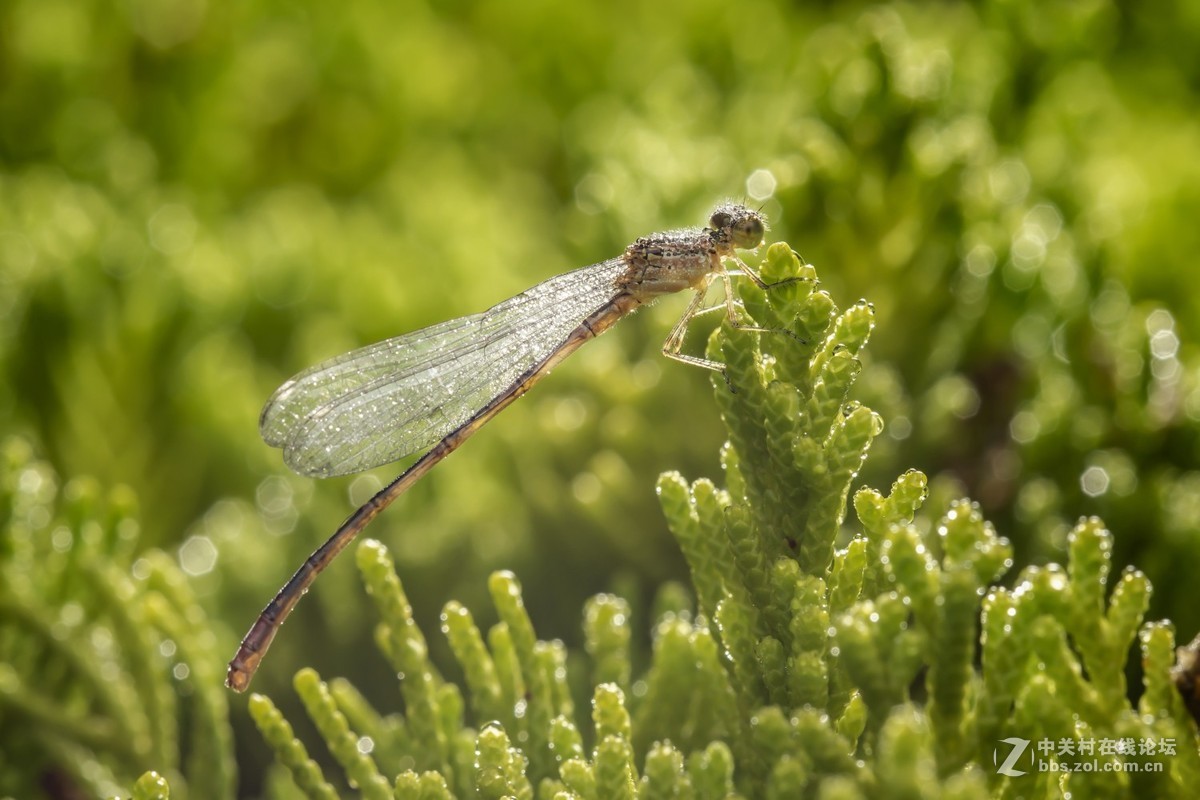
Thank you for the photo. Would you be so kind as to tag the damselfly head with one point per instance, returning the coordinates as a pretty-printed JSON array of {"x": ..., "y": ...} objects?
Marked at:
[{"x": 737, "y": 226}]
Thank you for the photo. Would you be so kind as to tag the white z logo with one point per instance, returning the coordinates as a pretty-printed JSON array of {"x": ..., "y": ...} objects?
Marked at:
[{"x": 1018, "y": 747}]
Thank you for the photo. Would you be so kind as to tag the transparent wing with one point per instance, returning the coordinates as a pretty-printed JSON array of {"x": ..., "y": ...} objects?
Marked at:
[{"x": 389, "y": 400}]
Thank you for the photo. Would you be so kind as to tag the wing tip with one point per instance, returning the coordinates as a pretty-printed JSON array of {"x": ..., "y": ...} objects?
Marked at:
[
  {"x": 302, "y": 463},
  {"x": 275, "y": 424}
]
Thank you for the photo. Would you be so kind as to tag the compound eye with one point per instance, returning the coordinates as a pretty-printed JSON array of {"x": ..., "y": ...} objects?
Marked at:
[
  {"x": 720, "y": 220},
  {"x": 750, "y": 232}
]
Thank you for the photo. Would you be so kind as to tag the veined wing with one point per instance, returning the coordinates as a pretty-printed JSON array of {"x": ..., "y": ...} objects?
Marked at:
[{"x": 389, "y": 400}]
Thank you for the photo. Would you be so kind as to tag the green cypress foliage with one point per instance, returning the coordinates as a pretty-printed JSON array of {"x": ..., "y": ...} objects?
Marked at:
[{"x": 827, "y": 658}]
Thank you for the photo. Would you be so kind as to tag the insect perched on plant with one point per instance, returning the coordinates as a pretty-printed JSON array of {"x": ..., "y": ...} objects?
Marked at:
[{"x": 435, "y": 387}]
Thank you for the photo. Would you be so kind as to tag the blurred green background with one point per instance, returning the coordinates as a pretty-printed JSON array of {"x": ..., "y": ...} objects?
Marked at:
[{"x": 198, "y": 199}]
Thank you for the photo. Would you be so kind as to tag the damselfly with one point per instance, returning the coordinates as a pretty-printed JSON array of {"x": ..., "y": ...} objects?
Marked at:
[{"x": 435, "y": 387}]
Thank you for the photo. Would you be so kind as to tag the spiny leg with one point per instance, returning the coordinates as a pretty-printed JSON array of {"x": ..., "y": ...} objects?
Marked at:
[
  {"x": 744, "y": 270},
  {"x": 673, "y": 344}
]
